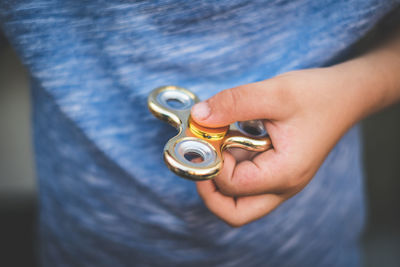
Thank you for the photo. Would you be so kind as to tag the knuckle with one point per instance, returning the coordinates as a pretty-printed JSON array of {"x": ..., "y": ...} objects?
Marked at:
[
  {"x": 229, "y": 99},
  {"x": 235, "y": 221},
  {"x": 225, "y": 188},
  {"x": 292, "y": 183},
  {"x": 288, "y": 79},
  {"x": 244, "y": 177},
  {"x": 286, "y": 91},
  {"x": 235, "y": 224},
  {"x": 296, "y": 179}
]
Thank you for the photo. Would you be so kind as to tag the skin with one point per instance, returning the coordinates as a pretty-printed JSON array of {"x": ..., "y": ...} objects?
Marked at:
[{"x": 306, "y": 112}]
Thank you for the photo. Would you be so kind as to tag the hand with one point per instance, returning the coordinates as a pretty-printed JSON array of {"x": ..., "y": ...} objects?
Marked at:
[{"x": 306, "y": 112}]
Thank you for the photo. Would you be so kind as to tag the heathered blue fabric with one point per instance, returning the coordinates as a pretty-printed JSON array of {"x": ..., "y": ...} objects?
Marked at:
[{"x": 105, "y": 196}]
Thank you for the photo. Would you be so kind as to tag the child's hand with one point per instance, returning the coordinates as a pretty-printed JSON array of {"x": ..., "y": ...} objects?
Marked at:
[{"x": 306, "y": 113}]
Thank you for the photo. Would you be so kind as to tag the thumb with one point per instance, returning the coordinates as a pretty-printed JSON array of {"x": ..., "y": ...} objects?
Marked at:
[{"x": 242, "y": 103}]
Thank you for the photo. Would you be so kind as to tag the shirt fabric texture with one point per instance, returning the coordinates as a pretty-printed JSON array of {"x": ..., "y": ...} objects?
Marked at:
[{"x": 106, "y": 197}]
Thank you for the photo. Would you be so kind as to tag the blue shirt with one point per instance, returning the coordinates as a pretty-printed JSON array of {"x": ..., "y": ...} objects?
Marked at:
[{"x": 106, "y": 197}]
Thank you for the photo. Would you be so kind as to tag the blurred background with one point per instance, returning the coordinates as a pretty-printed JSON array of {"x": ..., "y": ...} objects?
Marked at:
[{"x": 18, "y": 209}]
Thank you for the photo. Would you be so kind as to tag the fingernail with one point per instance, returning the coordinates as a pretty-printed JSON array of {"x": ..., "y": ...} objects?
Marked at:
[{"x": 201, "y": 111}]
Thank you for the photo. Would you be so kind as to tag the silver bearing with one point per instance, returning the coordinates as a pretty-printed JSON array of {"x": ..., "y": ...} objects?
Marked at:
[
  {"x": 252, "y": 128},
  {"x": 195, "y": 153},
  {"x": 175, "y": 100}
]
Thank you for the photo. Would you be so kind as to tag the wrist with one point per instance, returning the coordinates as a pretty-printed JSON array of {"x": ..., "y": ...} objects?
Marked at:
[
  {"x": 370, "y": 83},
  {"x": 374, "y": 77}
]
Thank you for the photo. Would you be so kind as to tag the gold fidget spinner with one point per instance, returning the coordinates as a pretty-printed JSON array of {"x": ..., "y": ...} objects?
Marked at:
[{"x": 196, "y": 151}]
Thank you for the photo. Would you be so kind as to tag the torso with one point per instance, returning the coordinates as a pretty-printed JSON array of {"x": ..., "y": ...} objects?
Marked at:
[{"x": 106, "y": 197}]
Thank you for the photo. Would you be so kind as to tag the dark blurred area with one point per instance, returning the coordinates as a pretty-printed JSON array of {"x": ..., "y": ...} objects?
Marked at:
[
  {"x": 17, "y": 182},
  {"x": 381, "y": 240},
  {"x": 18, "y": 210}
]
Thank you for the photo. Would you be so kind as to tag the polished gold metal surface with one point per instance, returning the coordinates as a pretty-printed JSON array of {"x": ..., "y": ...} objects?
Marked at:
[
  {"x": 196, "y": 151},
  {"x": 207, "y": 133}
]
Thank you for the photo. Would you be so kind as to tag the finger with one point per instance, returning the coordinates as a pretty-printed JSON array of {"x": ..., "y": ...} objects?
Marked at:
[
  {"x": 266, "y": 173},
  {"x": 236, "y": 212},
  {"x": 226, "y": 171},
  {"x": 252, "y": 101},
  {"x": 252, "y": 208},
  {"x": 209, "y": 193}
]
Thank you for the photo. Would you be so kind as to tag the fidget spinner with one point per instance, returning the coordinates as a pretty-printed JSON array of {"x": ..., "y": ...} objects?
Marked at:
[{"x": 195, "y": 152}]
